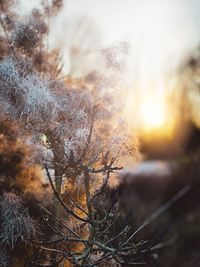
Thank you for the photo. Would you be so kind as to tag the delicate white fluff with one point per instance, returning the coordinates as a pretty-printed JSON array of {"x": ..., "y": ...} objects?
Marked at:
[{"x": 26, "y": 94}]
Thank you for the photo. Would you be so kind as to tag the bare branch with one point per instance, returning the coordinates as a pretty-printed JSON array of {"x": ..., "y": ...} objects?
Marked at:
[{"x": 61, "y": 201}]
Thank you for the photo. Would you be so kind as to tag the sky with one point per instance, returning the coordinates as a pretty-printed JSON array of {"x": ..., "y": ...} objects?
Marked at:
[{"x": 161, "y": 32}]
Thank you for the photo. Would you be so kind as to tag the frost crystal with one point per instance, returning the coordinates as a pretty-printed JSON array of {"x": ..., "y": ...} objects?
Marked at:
[
  {"x": 16, "y": 224},
  {"x": 26, "y": 94}
]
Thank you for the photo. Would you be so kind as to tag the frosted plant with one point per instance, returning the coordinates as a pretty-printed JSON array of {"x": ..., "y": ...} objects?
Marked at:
[
  {"x": 54, "y": 6},
  {"x": 16, "y": 224},
  {"x": 38, "y": 98},
  {"x": 25, "y": 36},
  {"x": 115, "y": 57},
  {"x": 26, "y": 95},
  {"x": 5, "y": 5},
  {"x": 4, "y": 258},
  {"x": 77, "y": 131},
  {"x": 79, "y": 124}
]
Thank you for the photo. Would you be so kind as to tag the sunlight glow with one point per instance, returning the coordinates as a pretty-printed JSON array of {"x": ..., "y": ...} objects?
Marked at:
[
  {"x": 156, "y": 116},
  {"x": 152, "y": 115}
]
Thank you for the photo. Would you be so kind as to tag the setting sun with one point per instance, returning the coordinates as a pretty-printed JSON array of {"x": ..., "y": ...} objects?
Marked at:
[{"x": 152, "y": 115}]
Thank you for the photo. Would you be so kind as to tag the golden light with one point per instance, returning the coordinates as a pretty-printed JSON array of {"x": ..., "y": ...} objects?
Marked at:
[{"x": 152, "y": 115}]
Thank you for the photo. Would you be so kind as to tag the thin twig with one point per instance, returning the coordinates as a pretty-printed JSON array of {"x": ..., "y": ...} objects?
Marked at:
[
  {"x": 161, "y": 210},
  {"x": 61, "y": 201}
]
